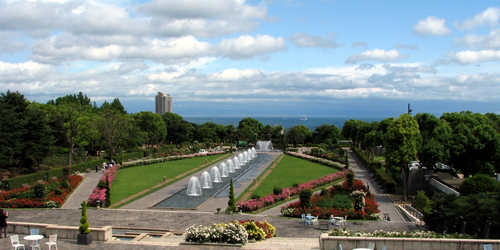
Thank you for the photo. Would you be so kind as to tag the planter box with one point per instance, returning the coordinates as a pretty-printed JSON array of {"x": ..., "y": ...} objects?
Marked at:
[{"x": 84, "y": 239}]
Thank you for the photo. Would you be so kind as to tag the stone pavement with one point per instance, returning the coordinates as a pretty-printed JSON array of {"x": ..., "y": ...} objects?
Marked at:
[{"x": 83, "y": 191}]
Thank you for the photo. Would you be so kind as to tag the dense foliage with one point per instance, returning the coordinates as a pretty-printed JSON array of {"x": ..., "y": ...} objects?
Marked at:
[
  {"x": 52, "y": 193},
  {"x": 232, "y": 232}
]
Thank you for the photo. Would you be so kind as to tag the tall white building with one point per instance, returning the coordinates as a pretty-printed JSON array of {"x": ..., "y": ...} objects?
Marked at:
[{"x": 163, "y": 103}]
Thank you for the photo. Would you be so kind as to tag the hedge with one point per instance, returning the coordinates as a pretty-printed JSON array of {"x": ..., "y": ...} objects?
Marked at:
[
  {"x": 385, "y": 180},
  {"x": 58, "y": 172}
]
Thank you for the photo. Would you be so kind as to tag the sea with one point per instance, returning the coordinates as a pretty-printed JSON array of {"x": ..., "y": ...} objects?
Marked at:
[{"x": 286, "y": 122}]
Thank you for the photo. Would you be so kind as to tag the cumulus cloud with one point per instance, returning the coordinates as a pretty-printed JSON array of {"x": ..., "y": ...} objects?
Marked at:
[
  {"x": 364, "y": 66},
  {"x": 377, "y": 55},
  {"x": 246, "y": 47},
  {"x": 472, "y": 57},
  {"x": 431, "y": 26},
  {"x": 489, "y": 41},
  {"x": 310, "y": 41},
  {"x": 488, "y": 17}
]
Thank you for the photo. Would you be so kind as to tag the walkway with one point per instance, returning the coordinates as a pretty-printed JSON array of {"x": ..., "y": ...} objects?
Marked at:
[
  {"x": 385, "y": 204},
  {"x": 83, "y": 191}
]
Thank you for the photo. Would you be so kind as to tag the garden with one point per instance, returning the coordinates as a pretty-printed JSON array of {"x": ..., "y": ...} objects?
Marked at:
[
  {"x": 351, "y": 199},
  {"x": 49, "y": 194}
]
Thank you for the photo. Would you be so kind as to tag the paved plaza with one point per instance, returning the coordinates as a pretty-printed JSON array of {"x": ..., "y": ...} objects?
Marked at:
[{"x": 291, "y": 232}]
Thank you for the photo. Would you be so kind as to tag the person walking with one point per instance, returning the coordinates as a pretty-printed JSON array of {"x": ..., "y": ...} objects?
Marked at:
[
  {"x": 3, "y": 222},
  {"x": 368, "y": 185}
]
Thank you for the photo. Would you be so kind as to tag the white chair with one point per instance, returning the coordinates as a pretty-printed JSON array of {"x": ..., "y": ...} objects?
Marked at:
[
  {"x": 303, "y": 217},
  {"x": 345, "y": 221},
  {"x": 488, "y": 247},
  {"x": 340, "y": 247},
  {"x": 371, "y": 245},
  {"x": 15, "y": 242},
  {"x": 52, "y": 241},
  {"x": 332, "y": 220},
  {"x": 384, "y": 248},
  {"x": 35, "y": 232},
  {"x": 314, "y": 221}
]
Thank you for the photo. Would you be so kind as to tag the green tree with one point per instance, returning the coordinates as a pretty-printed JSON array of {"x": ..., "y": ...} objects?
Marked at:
[
  {"x": 298, "y": 134},
  {"x": 249, "y": 127},
  {"x": 84, "y": 221},
  {"x": 12, "y": 127},
  {"x": 152, "y": 125},
  {"x": 479, "y": 183},
  {"x": 38, "y": 138},
  {"x": 178, "y": 130},
  {"x": 232, "y": 201},
  {"x": 72, "y": 120},
  {"x": 326, "y": 132},
  {"x": 435, "y": 140},
  {"x": 113, "y": 126},
  {"x": 474, "y": 142},
  {"x": 402, "y": 143}
]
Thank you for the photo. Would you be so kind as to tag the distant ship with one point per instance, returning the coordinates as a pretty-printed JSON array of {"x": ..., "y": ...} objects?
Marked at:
[{"x": 303, "y": 119}]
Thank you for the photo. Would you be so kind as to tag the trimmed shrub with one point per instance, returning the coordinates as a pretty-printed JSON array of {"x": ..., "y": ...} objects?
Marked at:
[{"x": 305, "y": 197}]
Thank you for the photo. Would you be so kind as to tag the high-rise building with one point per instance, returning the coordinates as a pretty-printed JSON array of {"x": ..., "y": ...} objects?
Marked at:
[{"x": 163, "y": 103}]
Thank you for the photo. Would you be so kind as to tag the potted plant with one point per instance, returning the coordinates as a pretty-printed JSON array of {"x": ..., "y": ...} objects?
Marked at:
[
  {"x": 85, "y": 236},
  {"x": 218, "y": 210}
]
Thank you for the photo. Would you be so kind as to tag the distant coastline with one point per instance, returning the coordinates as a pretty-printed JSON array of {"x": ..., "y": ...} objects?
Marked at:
[{"x": 285, "y": 121}]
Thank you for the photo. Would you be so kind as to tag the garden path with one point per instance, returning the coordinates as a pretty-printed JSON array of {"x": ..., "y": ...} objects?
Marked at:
[
  {"x": 83, "y": 191},
  {"x": 385, "y": 204}
]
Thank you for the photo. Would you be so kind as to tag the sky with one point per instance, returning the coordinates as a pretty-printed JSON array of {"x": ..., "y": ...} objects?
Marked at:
[{"x": 257, "y": 58}]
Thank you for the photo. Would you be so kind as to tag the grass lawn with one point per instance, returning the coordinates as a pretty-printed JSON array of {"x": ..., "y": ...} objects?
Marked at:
[
  {"x": 292, "y": 170},
  {"x": 130, "y": 181}
]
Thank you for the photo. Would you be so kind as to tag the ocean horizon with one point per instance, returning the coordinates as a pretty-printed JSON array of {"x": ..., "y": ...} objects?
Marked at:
[{"x": 286, "y": 121}]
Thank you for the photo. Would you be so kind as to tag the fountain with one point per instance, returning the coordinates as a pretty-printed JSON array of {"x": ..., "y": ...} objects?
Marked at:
[
  {"x": 254, "y": 153},
  {"x": 241, "y": 159},
  {"x": 223, "y": 170},
  {"x": 215, "y": 175},
  {"x": 194, "y": 188},
  {"x": 206, "y": 181},
  {"x": 236, "y": 163},
  {"x": 264, "y": 145},
  {"x": 230, "y": 167},
  {"x": 245, "y": 156}
]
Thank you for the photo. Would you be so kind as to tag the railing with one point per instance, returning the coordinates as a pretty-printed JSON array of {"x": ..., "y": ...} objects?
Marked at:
[{"x": 443, "y": 188}]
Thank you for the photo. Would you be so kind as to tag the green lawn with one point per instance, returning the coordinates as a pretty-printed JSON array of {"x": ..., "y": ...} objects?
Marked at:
[
  {"x": 130, "y": 181},
  {"x": 292, "y": 170}
]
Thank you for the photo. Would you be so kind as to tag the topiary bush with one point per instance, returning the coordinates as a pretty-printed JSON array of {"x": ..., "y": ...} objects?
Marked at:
[
  {"x": 277, "y": 190},
  {"x": 232, "y": 201},
  {"x": 84, "y": 221},
  {"x": 305, "y": 197}
]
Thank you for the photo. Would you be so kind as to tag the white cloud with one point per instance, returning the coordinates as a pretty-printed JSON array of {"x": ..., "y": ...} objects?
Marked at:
[
  {"x": 358, "y": 44},
  {"x": 431, "y": 26},
  {"x": 246, "y": 47},
  {"x": 489, "y": 41},
  {"x": 310, "y": 41},
  {"x": 472, "y": 57},
  {"x": 377, "y": 55},
  {"x": 488, "y": 17},
  {"x": 406, "y": 46}
]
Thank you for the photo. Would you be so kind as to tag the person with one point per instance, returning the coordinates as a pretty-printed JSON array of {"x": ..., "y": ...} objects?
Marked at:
[
  {"x": 3, "y": 222},
  {"x": 112, "y": 162},
  {"x": 368, "y": 185},
  {"x": 96, "y": 168}
]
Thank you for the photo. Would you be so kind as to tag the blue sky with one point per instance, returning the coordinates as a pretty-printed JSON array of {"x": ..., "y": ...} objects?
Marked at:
[{"x": 257, "y": 58}]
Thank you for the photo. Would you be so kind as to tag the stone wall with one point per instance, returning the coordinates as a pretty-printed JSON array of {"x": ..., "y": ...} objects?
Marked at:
[
  {"x": 63, "y": 232},
  {"x": 333, "y": 242}
]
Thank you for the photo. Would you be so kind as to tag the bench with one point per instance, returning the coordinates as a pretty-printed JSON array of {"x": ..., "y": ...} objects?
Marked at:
[
  {"x": 88, "y": 170},
  {"x": 40, "y": 181},
  {"x": 54, "y": 178},
  {"x": 25, "y": 185}
]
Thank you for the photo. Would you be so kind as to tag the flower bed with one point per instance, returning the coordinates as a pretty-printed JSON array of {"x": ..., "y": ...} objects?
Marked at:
[
  {"x": 370, "y": 209},
  {"x": 168, "y": 158},
  {"x": 397, "y": 234},
  {"x": 255, "y": 204},
  {"x": 317, "y": 160},
  {"x": 258, "y": 231},
  {"x": 233, "y": 233},
  {"x": 57, "y": 190},
  {"x": 99, "y": 193}
]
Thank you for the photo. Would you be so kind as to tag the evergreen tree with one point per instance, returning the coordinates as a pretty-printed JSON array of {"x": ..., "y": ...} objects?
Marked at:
[
  {"x": 232, "y": 201},
  {"x": 84, "y": 223}
]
